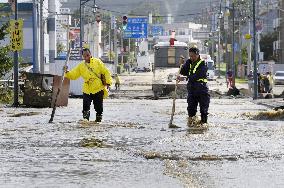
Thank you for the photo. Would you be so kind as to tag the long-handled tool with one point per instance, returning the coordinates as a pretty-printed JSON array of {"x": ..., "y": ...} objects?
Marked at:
[
  {"x": 60, "y": 87},
  {"x": 62, "y": 77},
  {"x": 171, "y": 125}
]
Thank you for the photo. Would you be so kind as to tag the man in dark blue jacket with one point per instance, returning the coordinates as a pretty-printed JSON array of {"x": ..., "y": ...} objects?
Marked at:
[{"x": 196, "y": 71}]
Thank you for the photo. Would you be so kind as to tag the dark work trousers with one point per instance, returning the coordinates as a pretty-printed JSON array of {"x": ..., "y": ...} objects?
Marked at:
[
  {"x": 193, "y": 99},
  {"x": 97, "y": 99}
]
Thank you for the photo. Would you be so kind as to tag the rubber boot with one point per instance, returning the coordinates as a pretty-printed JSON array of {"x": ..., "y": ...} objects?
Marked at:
[
  {"x": 203, "y": 119},
  {"x": 98, "y": 118},
  {"x": 191, "y": 121},
  {"x": 86, "y": 115}
]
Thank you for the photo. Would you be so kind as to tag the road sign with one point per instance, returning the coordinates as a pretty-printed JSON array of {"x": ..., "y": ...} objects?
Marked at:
[
  {"x": 248, "y": 36},
  {"x": 157, "y": 30},
  {"x": 75, "y": 54},
  {"x": 136, "y": 28},
  {"x": 16, "y": 35}
]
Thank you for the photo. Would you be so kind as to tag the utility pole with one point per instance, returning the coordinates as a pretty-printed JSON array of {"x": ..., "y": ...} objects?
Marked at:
[
  {"x": 115, "y": 45},
  {"x": 240, "y": 46},
  {"x": 81, "y": 25},
  {"x": 16, "y": 67},
  {"x": 255, "y": 53},
  {"x": 35, "y": 38},
  {"x": 121, "y": 48},
  {"x": 219, "y": 39},
  {"x": 249, "y": 49},
  {"x": 109, "y": 40},
  {"x": 233, "y": 45},
  {"x": 41, "y": 38},
  {"x": 226, "y": 27}
]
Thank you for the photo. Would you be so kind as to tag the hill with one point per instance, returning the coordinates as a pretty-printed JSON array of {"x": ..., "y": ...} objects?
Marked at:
[{"x": 178, "y": 8}]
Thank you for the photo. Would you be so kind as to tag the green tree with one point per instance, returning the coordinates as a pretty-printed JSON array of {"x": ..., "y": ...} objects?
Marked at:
[
  {"x": 150, "y": 7},
  {"x": 266, "y": 45},
  {"x": 244, "y": 55},
  {"x": 5, "y": 59}
]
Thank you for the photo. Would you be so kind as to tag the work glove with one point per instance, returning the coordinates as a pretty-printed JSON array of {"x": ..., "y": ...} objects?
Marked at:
[
  {"x": 107, "y": 86},
  {"x": 178, "y": 79},
  {"x": 65, "y": 68}
]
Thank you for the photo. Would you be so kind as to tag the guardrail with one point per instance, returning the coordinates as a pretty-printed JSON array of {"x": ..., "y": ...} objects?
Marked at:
[{"x": 10, "y": 83}]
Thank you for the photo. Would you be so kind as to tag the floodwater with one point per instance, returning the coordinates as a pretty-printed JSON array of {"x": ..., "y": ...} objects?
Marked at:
[{"x": 128, "y": 149}]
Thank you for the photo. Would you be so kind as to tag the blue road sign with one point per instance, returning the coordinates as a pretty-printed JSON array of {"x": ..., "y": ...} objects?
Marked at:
[
  {"x": 157, "y": 30},
  {"x": 136, "y": 28}
]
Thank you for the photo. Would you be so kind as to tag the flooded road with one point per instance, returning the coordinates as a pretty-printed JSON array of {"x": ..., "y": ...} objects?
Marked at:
[{"x": 128, "y": 149}]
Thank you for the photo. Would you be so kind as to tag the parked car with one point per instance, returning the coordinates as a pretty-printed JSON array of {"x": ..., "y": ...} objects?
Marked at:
[{"x": 279, "y": 77}]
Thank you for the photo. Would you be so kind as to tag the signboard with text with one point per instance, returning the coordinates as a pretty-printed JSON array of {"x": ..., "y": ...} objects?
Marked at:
[
  {"x": 157, "y": 30},
  {"x": 137, "y": 28},
  {"x": 75, "y": 54},
  {"x": 16, "y": 35}
]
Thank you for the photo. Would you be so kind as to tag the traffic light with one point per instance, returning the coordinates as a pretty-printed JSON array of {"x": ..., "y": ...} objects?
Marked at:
[{"x": 124, "y": 22}]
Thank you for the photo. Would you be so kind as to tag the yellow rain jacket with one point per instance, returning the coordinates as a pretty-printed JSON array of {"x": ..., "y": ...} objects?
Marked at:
[{"x": 92, "y": 76}]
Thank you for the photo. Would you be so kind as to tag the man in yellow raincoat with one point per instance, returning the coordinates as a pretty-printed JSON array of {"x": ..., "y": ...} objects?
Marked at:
[{"x": 97, "y": 79}]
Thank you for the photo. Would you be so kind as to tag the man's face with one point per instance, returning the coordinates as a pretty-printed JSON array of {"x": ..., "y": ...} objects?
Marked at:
[
  {"x": 193, "y": 56},
  {"x": 86, "y": 56}
]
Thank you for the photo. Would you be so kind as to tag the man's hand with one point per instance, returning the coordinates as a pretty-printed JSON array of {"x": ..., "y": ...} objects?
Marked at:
[
  {"x": 181, "y": 61},
  {"x": 107, "y": 86},
  {"x": 65, "y": 68},
  {"x": 178, "y": 79}
]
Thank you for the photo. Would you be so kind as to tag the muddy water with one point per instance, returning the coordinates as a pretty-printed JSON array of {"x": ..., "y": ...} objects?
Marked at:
[{"x": 129, "y": 149}]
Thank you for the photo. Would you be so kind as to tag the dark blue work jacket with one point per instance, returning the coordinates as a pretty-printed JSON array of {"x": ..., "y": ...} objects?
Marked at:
[{"x": 196, "y": 73}]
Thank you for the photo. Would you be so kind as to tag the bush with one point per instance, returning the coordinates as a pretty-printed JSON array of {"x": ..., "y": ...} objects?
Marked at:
[{"x": 6, "y": 95}]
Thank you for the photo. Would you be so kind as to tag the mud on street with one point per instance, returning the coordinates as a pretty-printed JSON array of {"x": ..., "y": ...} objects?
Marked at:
[{"x": 128, "y": 149}]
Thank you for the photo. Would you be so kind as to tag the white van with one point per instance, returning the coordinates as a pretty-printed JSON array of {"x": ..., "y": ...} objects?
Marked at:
[{"x": 211, "y": 69}]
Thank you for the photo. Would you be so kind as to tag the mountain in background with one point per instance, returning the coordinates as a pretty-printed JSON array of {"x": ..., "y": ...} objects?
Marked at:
[{"x": 180, "y": 9}]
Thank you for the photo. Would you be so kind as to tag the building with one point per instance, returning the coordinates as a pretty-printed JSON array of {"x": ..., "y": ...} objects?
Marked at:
[
  {"x": 188, "y": 32},
  {"x": 92, "y": 38},
  {"x": 25, "y": 12},
  {"x": 30, "y": 13}
]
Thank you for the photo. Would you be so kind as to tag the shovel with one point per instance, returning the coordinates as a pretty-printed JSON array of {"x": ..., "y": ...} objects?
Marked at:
[{"x": 171, "y": 125}]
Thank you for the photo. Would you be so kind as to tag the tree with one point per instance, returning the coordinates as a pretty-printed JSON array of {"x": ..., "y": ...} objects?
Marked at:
[
  {"x": 5, "y": 60},
  {"x": 150, "y": 7},
  {"x": 266, "y": 45},
  {"x": 244, "y": 55}
]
